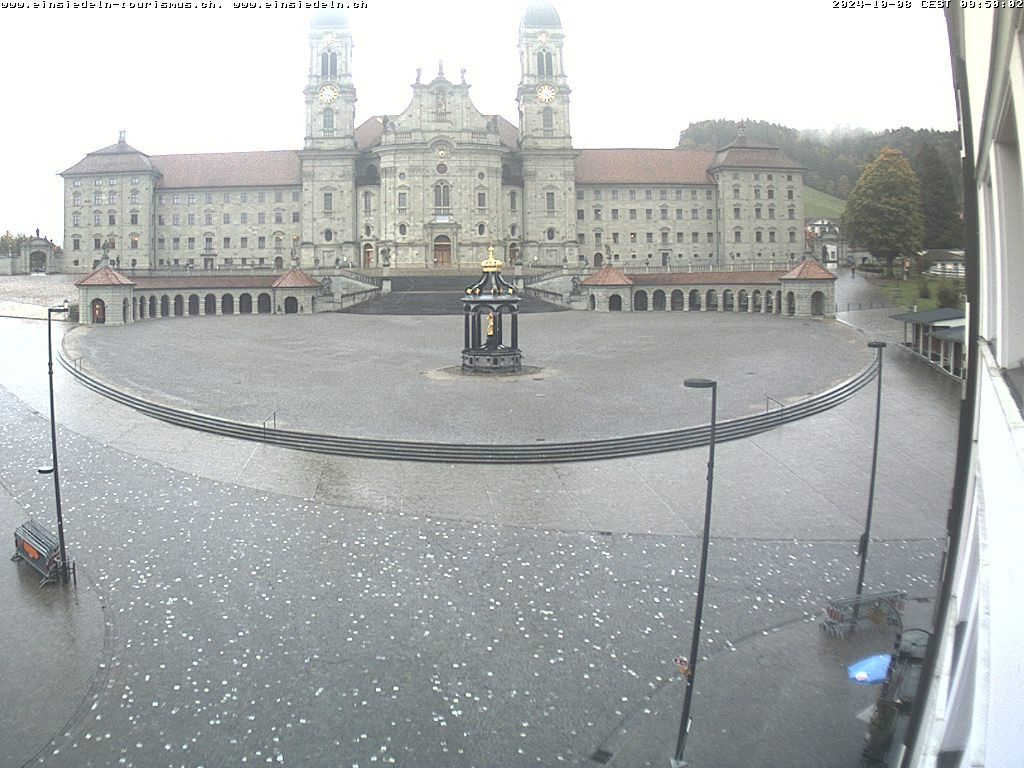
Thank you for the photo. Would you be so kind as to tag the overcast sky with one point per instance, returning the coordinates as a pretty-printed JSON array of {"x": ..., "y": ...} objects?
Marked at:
[{"x": 183, "y": 81}]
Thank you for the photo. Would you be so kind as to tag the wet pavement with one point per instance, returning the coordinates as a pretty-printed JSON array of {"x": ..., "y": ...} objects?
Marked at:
[{"x": 244, "y": 604}]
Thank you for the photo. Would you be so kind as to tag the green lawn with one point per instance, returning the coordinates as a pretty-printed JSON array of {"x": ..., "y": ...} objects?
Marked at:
[
  {"x": 818, "y": 205},
  {"x": 908, "y": 292}
]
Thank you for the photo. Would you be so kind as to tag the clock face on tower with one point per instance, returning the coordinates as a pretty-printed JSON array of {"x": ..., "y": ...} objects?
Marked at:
[
  {"x": 546, "y": 93},
  {"x": 544, "y": 37},
  {"x": 329, "y": 38},
  {"x": 327, "y": 93}
]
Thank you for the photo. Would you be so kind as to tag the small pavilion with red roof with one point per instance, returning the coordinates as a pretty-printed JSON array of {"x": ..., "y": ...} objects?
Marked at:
[
  {"x": 108, "y": 297},
  {"x": 808, "y": 290}
]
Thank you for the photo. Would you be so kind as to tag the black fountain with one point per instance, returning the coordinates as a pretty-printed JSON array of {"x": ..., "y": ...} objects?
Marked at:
[{"x": 485, "y": 308}]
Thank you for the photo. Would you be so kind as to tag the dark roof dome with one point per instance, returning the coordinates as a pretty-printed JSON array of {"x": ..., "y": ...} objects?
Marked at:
[
  {"x": 329, "y": 20},
  {"x": 540, "y": 15}
]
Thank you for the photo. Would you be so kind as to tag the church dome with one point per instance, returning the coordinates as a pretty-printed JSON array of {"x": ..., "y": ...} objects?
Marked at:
[
  {"x": 329, "y": 20},
  {"x": 540, "y": 15}
]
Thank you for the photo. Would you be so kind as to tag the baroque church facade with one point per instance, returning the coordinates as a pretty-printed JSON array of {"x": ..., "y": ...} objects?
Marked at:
[{"x": 435, "y": 185}]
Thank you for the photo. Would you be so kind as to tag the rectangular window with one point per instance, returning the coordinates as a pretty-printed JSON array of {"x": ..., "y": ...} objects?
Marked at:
[
  {"x": 615, "y": 238},
  {"x": 227, "y": 197},
  {"x": 278, "y": 217},
  {"x": 632, "y": 194},
  {"x": 736, "y": 238},
  {"x": 664, "y": 213},
  {"x": 579, "y": 194},
  {"x": 650, "y": 237},
  {"x": 711, "y": 237},
  {"x": 647, "y": 194},
  {"x": 261, "y": 218},
  {"x": 295, "y": 195},
  {"x": 579, "y": 214},
  {"x": 736, "y": 212},
  {"x": 615, "y": 194},
  {"x": 278, "y": 196},
  {"x": 209, "y": 198},
  {"x": 243, "y": 197},
  {"x": 295, "y": 217},
  {"x": 771, "y": 194},
  {"x": 513, "y": 200},
  {"x": 133, "y": 197},
  {"x": 227, "y": 243},
  {"x": 191, "y": 198},
  {"x": 191, "y": 243},
  {"x": 597, "y": 214},
  {"x": 176, "y": 243},
  {"x": 261, "y": 197},
  {"x": 632, "y": 214},
  {"x": 757, "y": 193},
  {"x": 549, "y": 202},
  {"x": 243, "y": 242},
  {"x": 481, "y": 201},
  {"x": 208, "y": 219},
  {"x": 97, "y": 219},
  {"x": 792, "y": 236},
  {"x": 176, "y": 199},
  {"x": 243, "y": 218},
  {"x": 159, "y": 243},
  {"x": 134, "y": 242},
  {"x": 615, "y": 214},
  {"x": 680, "y": 238},
  {"x": 694, "y": 213},
  {"x": 664, "y": 238},
  {"x": 663, "y": 194},
  {"x": 97, "y": 198},
  {"x": 328, "y": 202},
  {"x": 403, "y": 202},
  {"x": 208, "y": 244},
  {"x": 581, "y": 239},
  {"x": 133, "y": 218},
  {"x": 709, "y": 214},
  {"x": 597, "y": 194},
  {"x": 261, "y": 242},
  {"x": 694, "y": 237},
  {"x": 227, "y": 218},
  {"x": 632, "y": 237},
  {"x": 111, "y": 219},
  {"x": 597, "y": 239},
  {"x": 649, "y": 214},
  {"x": 771, "y": 236},
  {"x": 758, "y": 236}
]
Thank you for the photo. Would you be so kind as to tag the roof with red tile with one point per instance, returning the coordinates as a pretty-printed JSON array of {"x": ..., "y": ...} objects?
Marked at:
[
  {"x": 117, "y": 158},
  {"x": 809, "y": 270},
  {"x": 229, "y": 169},
  {"x": 203, "y": 282},
  {"x": 105, "y": 276},
  {"x": 607, "y": 276},
  {"x": 295, "y": 278},
  {"x": 708, "y": 278},
  {"x": 643, "y": 166}
]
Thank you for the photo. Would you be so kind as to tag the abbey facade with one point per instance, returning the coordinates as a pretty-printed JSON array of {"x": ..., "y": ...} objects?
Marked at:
[{"x": 435, "y": 185}]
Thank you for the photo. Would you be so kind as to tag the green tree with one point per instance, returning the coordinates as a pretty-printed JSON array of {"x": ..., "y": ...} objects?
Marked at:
[
  {"x": 943, "y": 227},
  {"x": 883, "y": 213},
  {"x": 9, "y": 242}
]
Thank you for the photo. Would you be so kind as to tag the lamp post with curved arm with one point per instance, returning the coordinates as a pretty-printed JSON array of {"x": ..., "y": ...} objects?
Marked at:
[{"x": 691, "y": 666}]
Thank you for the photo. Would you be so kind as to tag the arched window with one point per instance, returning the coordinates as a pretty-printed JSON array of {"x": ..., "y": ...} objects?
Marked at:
[
  {"x": 367, "y": 202},
  {"x": 551, "y": 233},
  {"x": 325, "y": 60},
  {"x": 402, "y": 229},
  {"x": 334, "y": 65},
  {"x": 480, "y": 229},
  {"x": 442, "y": 198},
  {"x": 328, "y": 120}
]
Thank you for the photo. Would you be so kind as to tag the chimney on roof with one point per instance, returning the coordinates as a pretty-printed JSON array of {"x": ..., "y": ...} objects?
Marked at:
[{"x": 120, "y": 136}]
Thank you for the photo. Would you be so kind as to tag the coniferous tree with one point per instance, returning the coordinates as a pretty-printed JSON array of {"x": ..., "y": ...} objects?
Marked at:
[{"x": 943, "y": 227}]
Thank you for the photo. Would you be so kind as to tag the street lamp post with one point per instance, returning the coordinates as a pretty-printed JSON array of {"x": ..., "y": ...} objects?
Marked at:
[
  {"x": 50, "y": 311},
  {"x": 864, "y": 538},
  {"x": 691, "y": 667}
]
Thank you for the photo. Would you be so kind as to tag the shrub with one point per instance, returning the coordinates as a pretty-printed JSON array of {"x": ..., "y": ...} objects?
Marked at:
[
  {"x": 73, "y": 312},
  {"x": 923, "y": 291},
  {"x": 948, "y": 295}
]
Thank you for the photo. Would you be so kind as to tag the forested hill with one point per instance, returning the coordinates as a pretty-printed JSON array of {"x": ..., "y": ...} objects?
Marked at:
[{"x": 835, "y": 159}]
